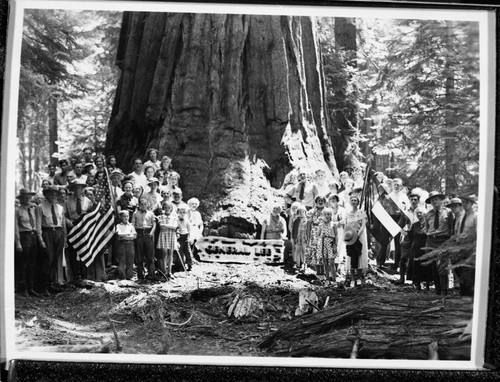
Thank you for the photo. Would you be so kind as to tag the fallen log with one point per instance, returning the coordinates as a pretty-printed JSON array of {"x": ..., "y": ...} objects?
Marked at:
[{"x": 377, "y": 325}]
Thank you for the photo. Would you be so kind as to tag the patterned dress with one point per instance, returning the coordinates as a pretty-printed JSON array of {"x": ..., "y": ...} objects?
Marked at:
[
  {"x": 313, "y": 219},
  {"x": 167, "y": 238},
  {"x": 326, "y": 243}
]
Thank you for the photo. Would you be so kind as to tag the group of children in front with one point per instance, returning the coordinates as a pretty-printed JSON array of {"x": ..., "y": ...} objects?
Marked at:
[{"x": 159, "y": 230}]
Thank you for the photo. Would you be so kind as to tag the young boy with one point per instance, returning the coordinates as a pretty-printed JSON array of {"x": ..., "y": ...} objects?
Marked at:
[
  {"x": 184, "y": 230},
  {"x": 126, "y": 235}
]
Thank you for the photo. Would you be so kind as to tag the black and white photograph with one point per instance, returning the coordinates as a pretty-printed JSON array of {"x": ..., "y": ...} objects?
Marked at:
[{"x": 248, "y": 185}]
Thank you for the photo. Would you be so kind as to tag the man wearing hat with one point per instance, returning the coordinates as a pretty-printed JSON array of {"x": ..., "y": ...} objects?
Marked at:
[
  {"x": 26, "y": 244},
  {"x": 438, "y": 227},
  {"x": 76, "y": 205},
  {"x": 468, "y": 223},
  {"x": 116, "y": 177},
  {"x": 455, "y": 205},
  {"x": 51, "y": 231}
]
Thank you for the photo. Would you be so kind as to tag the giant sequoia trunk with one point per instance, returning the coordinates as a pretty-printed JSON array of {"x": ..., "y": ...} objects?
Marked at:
[{"x": 235, "y": 100}]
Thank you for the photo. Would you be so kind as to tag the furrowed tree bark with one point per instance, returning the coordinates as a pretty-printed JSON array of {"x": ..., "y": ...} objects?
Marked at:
[{"x": 235, "y": 100}]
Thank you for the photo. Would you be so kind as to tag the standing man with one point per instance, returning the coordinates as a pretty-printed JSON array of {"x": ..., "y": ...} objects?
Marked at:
[
  {"x": 438, "y": 227},
  {"x": 50, "y": 227},
  {"x": 138, "y": 174},
  {"x": 78, "y": 170},
  {"x": 455, "y": 205},
  {"x": 304, "y": 191},
  {"x": 76, "y": 205},
  {"x": 144, "y": 222},
  {"x": 60, "y": 178},
  {"x": 410, "y": 217},
  {"x": 87, "y": 156},
  {"x": 26, "y": 244},
  {"x": 52, "y": 172},
  {"x": 467, "y": 228}
]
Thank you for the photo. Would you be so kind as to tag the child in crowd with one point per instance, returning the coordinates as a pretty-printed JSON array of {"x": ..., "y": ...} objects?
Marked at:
[
  {"x": 167, "y": 239},
  {"x": 126, "y": 235},
  {"x": 184, "y": 232},
  {"x": 300, "y": 237},
  {"x": 196, "y": 224},
  {"x": 327, "y": 244}
]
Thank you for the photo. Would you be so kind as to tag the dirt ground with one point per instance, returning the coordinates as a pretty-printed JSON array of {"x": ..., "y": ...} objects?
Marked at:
[{"x": 216, "y": 309}]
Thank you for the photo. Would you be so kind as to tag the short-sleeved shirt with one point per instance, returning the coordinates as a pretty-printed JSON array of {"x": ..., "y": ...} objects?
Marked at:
[
  {"x": 125, "y": 229},
  {"x": 445, "y": 222}
]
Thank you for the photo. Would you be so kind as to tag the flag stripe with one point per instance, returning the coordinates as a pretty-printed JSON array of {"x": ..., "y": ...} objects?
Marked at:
[
  {"x": 93, "y": 231},
  {"x": 385, "y": 219}
]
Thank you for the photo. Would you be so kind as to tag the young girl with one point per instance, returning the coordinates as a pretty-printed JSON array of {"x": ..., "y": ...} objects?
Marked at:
[
  {"x": 300, "y": 237},
  {"x": 167, "y": 239},
  {"x": 327, "y": 244}
]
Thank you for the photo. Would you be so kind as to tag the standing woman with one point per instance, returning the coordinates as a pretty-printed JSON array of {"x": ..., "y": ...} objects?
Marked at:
[
  {"x": 314, "y": 217},
  {"x": 417, "y": 272},
  {"x": 165, "y": 167},
  {"x": 152, "y": 160},
  {"x": 274, "y": 228},
  {"x": 356, "y": 241},
  {"x": 167, "y": 239}
]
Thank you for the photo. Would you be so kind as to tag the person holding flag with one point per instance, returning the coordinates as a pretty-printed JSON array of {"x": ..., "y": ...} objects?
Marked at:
[{"x": 93, "y": 231}]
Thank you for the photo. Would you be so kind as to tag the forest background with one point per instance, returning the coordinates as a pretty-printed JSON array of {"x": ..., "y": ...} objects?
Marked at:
[{"x": 403, "y": 93}]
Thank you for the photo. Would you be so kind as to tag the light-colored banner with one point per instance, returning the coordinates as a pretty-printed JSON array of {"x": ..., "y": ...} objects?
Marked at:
[
  {"x": 385, "y": 219},
  {"x": 228, "y": 250}
]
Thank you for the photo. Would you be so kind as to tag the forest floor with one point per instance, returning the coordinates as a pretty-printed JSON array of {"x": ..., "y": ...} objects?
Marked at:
[{"x": 240, "y": 310}]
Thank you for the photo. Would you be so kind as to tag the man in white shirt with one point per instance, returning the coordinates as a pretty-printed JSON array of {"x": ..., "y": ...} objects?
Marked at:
[
  {"x": 403, "y": 203},
  {"x": 304, "y": 191},
  {"x": 138, "y": 174}
]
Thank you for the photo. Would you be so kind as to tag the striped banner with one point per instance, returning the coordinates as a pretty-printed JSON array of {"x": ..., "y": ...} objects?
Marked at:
[{"x": 93, "y": 230}]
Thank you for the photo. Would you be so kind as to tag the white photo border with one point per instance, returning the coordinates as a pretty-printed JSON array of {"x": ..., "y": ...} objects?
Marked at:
[{"x": 486, "y": 19}]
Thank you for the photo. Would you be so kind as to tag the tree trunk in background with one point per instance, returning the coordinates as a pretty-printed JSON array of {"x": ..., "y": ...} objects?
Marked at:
[
  {"x": 345, "y": 118},
  {"x": 53, "y": 128},
  {"x": 235, "y": 100}
]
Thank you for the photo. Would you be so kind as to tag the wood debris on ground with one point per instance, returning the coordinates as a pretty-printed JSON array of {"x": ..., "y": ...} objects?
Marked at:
[{"x": 250, "y": 310}]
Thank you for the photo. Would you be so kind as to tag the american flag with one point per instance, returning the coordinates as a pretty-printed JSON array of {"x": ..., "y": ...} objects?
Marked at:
[{"x": 93, "y": 230}]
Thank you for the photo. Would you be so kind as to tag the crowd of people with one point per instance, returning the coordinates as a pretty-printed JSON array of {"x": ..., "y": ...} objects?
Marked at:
[
  {"x": 152, "y": 223},
  {"x": 323, "y": 225},
  {"x": 326, "y": 227}
]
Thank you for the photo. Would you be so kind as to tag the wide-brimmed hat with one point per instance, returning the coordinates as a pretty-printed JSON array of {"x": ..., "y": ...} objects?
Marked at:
[
  {"x": 434, "y": 194},
  {"x": 455, "y": 201},
  {"x": 25, "y": 192},
  {"x": 117, "y": 173},
  {"x": 469, "y": 198},
  {"x": 88, "y": 164},
  {"x": 350, "y": 236},
  {"x": 154, "y": 180},
  {"x": 177, "y": 191},
  {"x": 51, "y": 189},
  {"x": 76, "y": 183}
]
